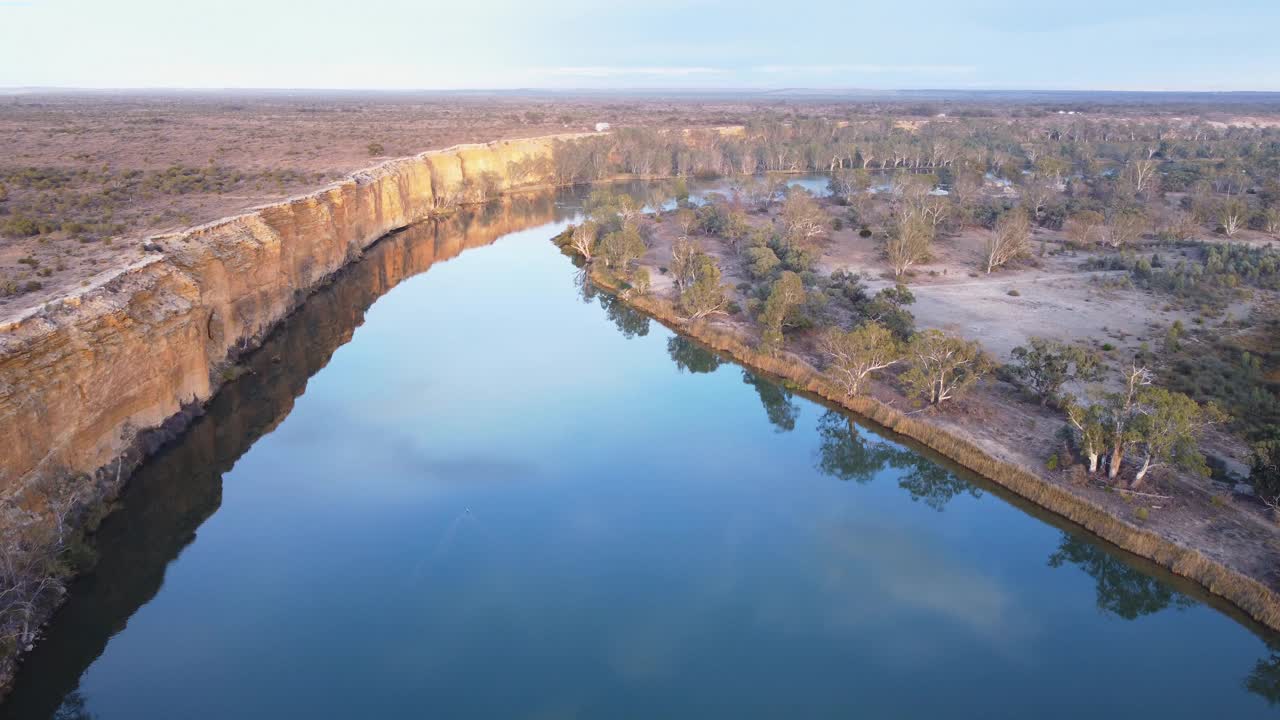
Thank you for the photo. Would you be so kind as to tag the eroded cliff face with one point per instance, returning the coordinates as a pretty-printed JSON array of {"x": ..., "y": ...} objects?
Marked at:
[{"x": 81, "y": 377}]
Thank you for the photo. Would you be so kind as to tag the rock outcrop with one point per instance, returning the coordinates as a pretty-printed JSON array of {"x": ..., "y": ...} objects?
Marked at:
[{"x": 81, "y": 377}]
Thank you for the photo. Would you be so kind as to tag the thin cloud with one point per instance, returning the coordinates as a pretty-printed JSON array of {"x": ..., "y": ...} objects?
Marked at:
[
  {"x": 869, "y": 68},
  {"x": 604, "y": 71}
]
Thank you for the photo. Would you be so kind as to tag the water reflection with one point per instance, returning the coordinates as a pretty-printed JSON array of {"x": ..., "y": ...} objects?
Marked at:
[
  {"x": 629, "y": 321},
  {"x": 847, "y": 453},
  {"x": 179, "y": 488},
  {"x": 779, "y": 404},
  {"x": 1123, "y": 590},
  {"x": 1265, "y": 678},
  {"x": 690, "y": 356},
  {"x": 844, "y": 452},
  {"x": 928, "y": 482},
  {"x": 1126, "y": 592}
]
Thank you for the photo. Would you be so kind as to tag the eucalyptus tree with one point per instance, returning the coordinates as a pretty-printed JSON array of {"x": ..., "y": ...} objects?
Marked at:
[
  {"x": 1009, "y": 240},
  {"x": 785, "y": 295},
  {"x": 1047, "y": 365},
  {"x": 852, "y": 356},
  {"x": 704, "y": 294},
  {"x": 909, "y": 240},
  {"x": 943, "y": 366}
]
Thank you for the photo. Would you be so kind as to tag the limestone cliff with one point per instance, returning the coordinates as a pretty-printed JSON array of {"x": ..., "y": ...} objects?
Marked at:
[{"x": 82, "y": 376}]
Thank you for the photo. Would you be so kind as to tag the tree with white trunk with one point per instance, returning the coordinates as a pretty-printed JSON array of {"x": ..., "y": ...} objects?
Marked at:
[
  {"x": 802, "y": 220},
  {"x": 943, "y": 366},
  {"x": 853, "y": 355},
  {"x": 909, "y": 241},
  {"x": 1120, "y": 410},
  {"x": 1090, "y": 432},
  {"x": 1271, "y": 220},
  {"x": 703, "y": 293},
  {"x": 1233, "y": 213},
  {"x": 1143, "y": 171},
  {"x": 1085, "y": 227},
  {"x": 1166, "y": 431},
  {"x": 1125, "y": 228},
  {"x": 1009, "y": 240},
  {"x": 583, "y": 239}
]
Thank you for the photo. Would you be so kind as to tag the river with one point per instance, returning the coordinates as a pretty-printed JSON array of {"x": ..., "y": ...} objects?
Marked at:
[{"x": 485, "y": 491}]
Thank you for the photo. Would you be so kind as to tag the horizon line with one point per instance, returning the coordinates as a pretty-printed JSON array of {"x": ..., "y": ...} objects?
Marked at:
[{"x": 639, "y": 88}]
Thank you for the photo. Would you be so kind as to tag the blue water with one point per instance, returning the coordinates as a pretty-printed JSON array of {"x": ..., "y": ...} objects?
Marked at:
[{"x": 503, "y": 499}]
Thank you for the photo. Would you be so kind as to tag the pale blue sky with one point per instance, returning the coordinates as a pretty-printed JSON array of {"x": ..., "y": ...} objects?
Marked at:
[{"x": 1079, "y": 44}]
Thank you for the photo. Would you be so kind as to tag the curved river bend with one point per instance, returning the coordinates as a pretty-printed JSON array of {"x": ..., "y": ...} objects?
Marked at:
[{"x": 485, "y": 492}]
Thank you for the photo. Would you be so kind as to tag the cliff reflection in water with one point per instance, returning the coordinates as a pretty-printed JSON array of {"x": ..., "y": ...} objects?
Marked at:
[{"x": 175, "y": 491}]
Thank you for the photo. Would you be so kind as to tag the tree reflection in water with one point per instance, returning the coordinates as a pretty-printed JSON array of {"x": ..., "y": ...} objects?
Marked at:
[
  {"x": 1265, "y": 678},
  {"x": 929, "y": 482},
  {"x": 847, "y": 454},
  {"x": 1122, "y": 590},
  {"x": 1129, "y": 593},
  {"x": 691, "y": 357},
  {"x": 629, "y": 321},
  {"x": 778, "y": 403}
]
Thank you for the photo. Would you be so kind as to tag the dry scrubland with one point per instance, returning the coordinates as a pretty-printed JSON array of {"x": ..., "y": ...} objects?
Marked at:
[{"x": 87, "y": 179}]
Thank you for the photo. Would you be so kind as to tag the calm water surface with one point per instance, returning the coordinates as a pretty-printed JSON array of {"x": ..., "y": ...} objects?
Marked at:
[{"x": 494, "y": 495}]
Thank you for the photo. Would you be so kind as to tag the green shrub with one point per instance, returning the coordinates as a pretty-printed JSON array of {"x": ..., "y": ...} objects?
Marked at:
[{"x": 20, "y": 226}]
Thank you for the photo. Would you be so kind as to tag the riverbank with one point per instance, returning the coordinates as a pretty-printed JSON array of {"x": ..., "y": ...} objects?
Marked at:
[{"x": 1256, "y": 597}]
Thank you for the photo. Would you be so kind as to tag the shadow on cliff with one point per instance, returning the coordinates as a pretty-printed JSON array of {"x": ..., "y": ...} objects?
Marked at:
[{"x": 180, "y": 486}]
